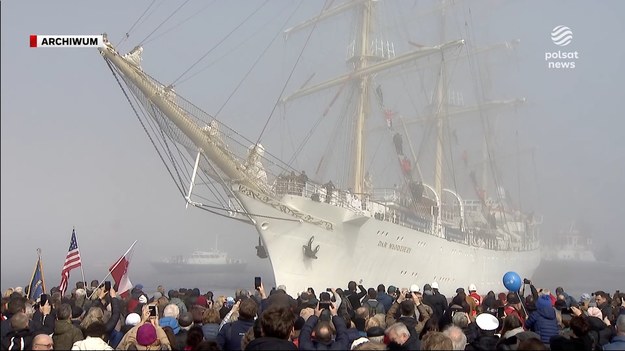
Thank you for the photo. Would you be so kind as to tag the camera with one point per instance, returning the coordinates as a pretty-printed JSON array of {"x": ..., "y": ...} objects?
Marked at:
[
  {"x": 501, "y": 312},
  {"x": 329, "y": 289},
  {"x": 152, "y": 310},
  {"x": 107, "y": 286},
  {"x": 324, "y": 305},
  {"x": 43, "y": 299}
]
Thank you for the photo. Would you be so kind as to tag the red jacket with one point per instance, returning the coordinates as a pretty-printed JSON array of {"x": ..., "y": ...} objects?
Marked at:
[{"x": 511, "y": 310}]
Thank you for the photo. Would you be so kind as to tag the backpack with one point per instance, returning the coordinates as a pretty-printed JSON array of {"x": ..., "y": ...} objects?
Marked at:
[{"x": 373, "y": 308}]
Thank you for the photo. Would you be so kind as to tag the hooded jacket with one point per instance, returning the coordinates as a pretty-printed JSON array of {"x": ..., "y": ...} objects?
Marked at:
[
  {"x": 543, "y": 322},
  {"x": 17, "y": 340},
  {"x": 230, "y": 335},
  {"x": 170, "y": 322},
  {"x": 66, "y": 334}
]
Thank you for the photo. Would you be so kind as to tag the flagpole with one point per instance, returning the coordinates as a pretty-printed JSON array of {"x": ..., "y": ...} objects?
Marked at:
[
  {"x": 32, "y": 277},
  {"x": 43, "y": 280},
  {"x": 114, "y": 266},
  {"x": 81, "y": 265}
]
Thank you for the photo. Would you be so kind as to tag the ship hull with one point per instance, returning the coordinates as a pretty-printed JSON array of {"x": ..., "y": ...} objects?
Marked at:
[
  {"x": 359, "y": 246},
  {"x": 182, "y": 268}
]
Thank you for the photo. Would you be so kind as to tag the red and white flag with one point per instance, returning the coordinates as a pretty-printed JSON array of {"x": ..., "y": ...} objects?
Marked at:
[
  {"x": 119, "y": 272},
  {"x": 72, "y": 260}
]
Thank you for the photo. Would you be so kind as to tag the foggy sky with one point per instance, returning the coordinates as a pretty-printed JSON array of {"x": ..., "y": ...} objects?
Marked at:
[{"x": 74, "y": 155}]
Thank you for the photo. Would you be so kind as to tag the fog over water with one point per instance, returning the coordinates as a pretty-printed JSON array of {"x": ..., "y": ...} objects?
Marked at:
[{"x": 74, "y": 155}]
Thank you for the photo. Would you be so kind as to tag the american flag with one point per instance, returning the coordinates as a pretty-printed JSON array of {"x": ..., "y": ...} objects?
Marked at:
[{"x": 72, "y": 260}]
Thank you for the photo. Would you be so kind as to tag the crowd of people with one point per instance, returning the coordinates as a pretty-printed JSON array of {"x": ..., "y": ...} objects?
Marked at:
[{"x": 95, "y": 317}]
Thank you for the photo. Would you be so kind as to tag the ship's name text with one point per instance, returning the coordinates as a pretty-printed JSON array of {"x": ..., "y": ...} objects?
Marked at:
[{"x": 391, "y": 246}]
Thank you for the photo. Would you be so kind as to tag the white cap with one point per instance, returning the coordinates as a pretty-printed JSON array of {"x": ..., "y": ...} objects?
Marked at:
[
  {"x": 359, "y": 341},
  {"x": 435, "y": 285},
  {"x": 133, "y": 319},
  {"x": 415, "y": 288},
  {"x": 472, "y": 287},
  {"x": 143, "y": 299},
  {"x": 487, "y": 321}
]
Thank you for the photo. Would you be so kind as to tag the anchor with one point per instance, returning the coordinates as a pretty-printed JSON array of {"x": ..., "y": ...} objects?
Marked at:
[
  {"x": 261, "y": 251},
  {"x": 308, "y": 250}
]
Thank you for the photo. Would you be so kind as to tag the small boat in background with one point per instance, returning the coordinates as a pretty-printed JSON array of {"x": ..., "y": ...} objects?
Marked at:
[{"x": 213, "y": 261}]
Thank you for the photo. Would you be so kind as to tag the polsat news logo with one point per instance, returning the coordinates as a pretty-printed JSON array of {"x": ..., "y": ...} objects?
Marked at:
[{"x": 66, "y": 41}]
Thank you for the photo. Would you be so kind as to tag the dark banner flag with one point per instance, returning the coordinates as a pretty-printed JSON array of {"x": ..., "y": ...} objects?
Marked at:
[{"x": 37, "y": 284}]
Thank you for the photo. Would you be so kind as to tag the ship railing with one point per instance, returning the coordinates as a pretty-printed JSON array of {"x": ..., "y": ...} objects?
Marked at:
[{"x": 381, "y": 206}]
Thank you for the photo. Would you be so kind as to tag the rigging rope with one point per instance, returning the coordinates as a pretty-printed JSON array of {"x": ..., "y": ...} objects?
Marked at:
[
  {"x": 221, "y": 41},
  {"x": 143, "y": 125},
  {"x": 134, "y": 24},
  {"x": 181, "y": 22},
  {"x": 299, "y": 57},
  {"x": 166, "y": 19},
  {"x": 201, "y": 206},
  {"x": 257, "y": 60},
  {"x": 225, "y": 54}
]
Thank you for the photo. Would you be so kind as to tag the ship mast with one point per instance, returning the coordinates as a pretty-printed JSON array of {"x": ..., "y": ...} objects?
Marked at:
[
  {"x": 361, "y": 61},
  {"x": 360, "y": 76},
  {"x": 440, "y": 126}
]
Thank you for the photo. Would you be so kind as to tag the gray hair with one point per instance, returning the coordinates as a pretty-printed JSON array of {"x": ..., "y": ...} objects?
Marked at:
[
  {"x": 171, "y": 310},
  {"x": 398, "y": 328},
  {"x": 460, "y": 320},
  {"x": 457, "y": 336}
]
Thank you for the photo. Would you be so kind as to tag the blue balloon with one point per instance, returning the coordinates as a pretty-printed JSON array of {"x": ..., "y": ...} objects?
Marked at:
[{"x": 512, "y": 281}]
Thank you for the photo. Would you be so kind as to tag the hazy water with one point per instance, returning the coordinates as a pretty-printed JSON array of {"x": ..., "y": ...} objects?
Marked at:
[{"x": 218, "y": 283}]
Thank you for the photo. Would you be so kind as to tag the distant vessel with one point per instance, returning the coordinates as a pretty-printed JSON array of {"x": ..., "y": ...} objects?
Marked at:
[
  {"x": 571, "y": 245},
  {"x": 200, "y": 262},
  {"x": 213, "y": 261},
  {"x": 570, "y": 260}
]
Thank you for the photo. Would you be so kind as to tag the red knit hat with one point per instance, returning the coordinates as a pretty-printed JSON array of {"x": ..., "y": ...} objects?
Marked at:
[{"x": 146, "y": 334}]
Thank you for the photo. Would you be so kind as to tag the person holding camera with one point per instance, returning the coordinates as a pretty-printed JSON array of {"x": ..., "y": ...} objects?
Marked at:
[
  {"x": 543, "y": 320},
  {"x": 319, "y": 335},
  {"x": 44, "y": 318},
  {"x": 409, "y": 310},
  {"x": 148, "y": 334}
]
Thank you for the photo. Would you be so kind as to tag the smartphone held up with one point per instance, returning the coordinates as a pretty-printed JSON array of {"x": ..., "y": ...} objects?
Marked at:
[{"x": 324, "y": 305}]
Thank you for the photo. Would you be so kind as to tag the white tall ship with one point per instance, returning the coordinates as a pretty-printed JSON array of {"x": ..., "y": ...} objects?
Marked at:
[{"x": 390, "y": 215}]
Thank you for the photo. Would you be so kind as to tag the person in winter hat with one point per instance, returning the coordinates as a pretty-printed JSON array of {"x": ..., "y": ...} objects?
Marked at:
[{"x": 543, "y": 321}]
